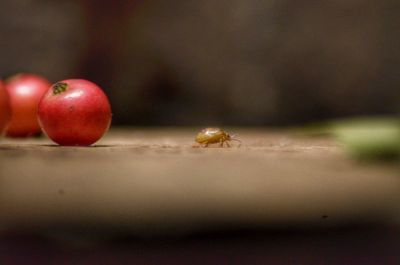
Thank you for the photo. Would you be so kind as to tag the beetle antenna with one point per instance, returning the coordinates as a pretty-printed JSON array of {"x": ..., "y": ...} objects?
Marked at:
[{"x": 236, "y": 139}]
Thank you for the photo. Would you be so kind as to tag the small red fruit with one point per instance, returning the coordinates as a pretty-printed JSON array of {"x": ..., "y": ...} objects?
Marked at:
[
  {"x": 5, "y": 110},
  {"x": 74, "y": 112},
  {"x": 25, "y": 91}
]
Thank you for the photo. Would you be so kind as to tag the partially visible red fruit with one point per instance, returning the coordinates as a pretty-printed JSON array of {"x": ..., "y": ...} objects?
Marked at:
[
  {"x": 25, "y": 91},
  {"x": 74, "y": 112},
  {"x": 5, "y": 111}
]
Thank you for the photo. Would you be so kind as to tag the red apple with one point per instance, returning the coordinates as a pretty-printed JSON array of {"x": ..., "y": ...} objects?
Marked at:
[
  {"x": 25, "y": 91},
  {"x": 5, "y": 110},
  {"x": 74, "y": 112}
]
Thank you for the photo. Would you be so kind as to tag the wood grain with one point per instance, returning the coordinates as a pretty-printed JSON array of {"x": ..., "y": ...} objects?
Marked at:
[{"x": 155, "y": 180}]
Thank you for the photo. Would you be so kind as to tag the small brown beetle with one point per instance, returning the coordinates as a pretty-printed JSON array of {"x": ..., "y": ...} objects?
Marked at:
[{"x": 214, "y": 135}]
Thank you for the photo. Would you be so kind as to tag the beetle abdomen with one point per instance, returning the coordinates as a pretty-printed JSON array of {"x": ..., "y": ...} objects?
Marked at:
[{"x": 211, "y": 135}]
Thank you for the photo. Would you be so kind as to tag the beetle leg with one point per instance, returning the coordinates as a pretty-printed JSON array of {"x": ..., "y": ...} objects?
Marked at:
[
  {"x": 221, "y": 143},
  {"x": 227, "y": 143}
]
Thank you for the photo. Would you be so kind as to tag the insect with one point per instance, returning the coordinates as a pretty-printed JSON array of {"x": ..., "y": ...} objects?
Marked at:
[{"x": 215, "y": 135}]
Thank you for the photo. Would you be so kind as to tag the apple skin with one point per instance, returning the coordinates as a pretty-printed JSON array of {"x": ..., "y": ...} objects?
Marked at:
[
  {"x": 74, "y": 112},
  {"x": 25, "y": 92},
  {"x": 5, "y": 109}
]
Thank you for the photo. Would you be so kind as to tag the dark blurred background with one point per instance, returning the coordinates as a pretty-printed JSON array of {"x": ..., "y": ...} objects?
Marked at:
[
  {"x": 208, "y": 62},
  {"x": 236, "y": 62}
]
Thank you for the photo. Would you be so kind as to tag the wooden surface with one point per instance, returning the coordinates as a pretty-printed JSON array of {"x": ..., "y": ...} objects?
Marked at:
[{"x": 154, "y": 180}]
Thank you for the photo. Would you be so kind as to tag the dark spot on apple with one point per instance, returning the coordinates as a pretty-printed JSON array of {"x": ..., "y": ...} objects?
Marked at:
[
  {"x": 61, "y": 192},
  {"x": 324, "y": 216},
  {"x": 59, "y": 88}
]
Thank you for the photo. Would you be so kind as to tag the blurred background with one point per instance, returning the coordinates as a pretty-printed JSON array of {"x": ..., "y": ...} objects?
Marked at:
[
  {"x": 204, "y": 63},
  {"x": 187, "y": 62}
]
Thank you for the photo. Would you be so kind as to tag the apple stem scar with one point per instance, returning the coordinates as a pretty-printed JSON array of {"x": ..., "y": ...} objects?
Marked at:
[{"x": 59, "y": 88}]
